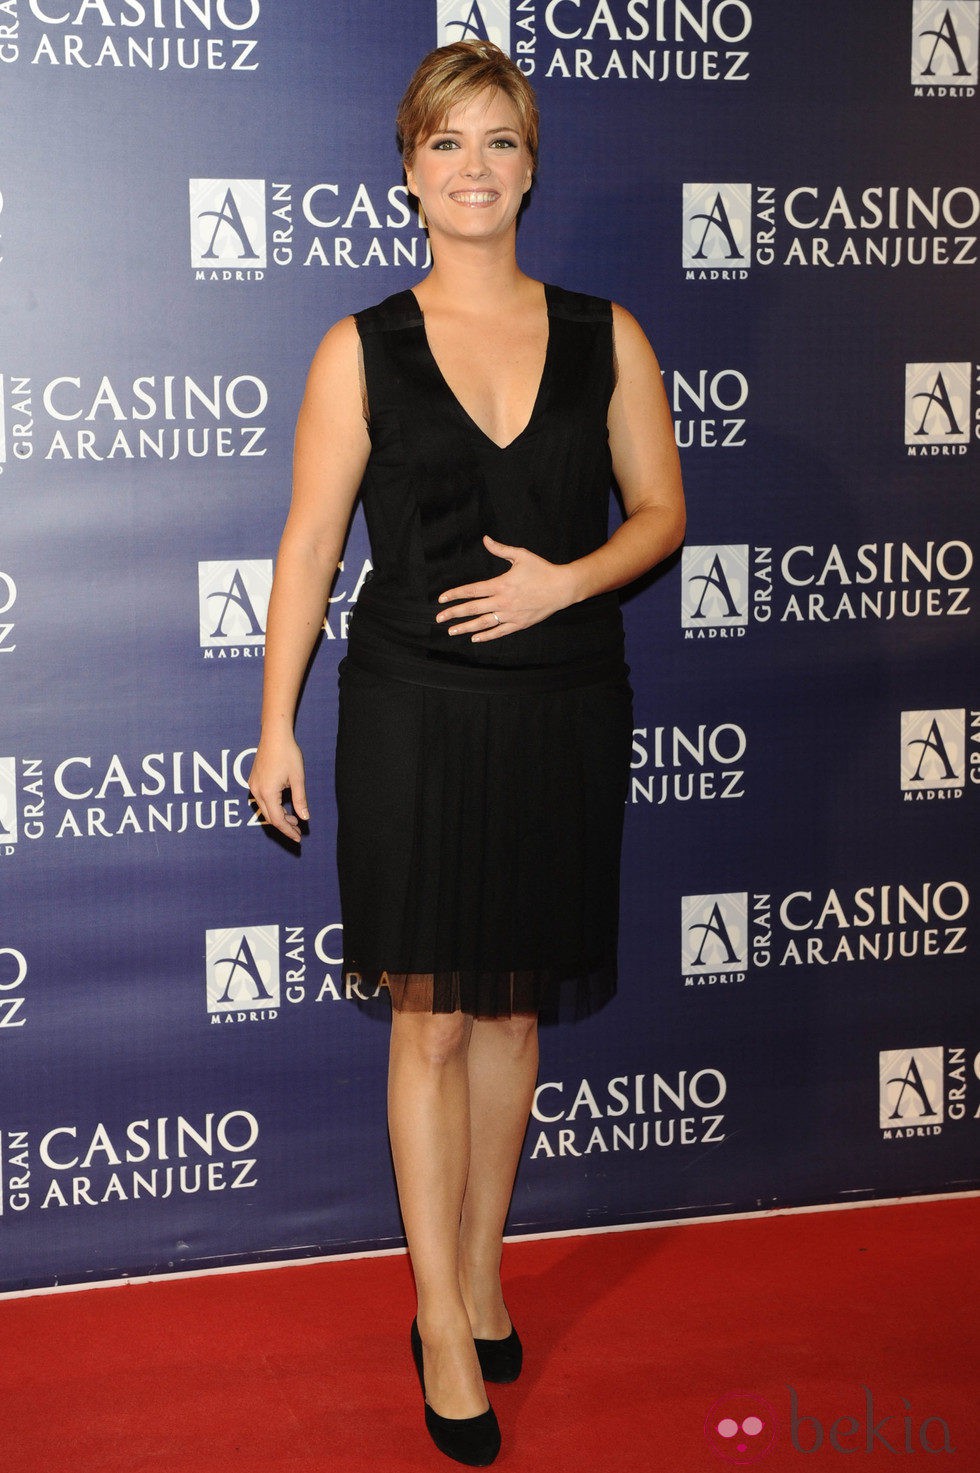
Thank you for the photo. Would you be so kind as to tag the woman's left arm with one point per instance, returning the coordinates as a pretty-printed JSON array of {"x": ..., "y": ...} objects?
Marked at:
[
  {"x": 647, "y": 471},
  {"x": 646, "y": 467}
]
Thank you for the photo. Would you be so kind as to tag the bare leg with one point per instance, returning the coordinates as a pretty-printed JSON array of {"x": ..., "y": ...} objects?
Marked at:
[
  {"x": 429, "y": 1125},
  {"x": 502, "y": 1066}
]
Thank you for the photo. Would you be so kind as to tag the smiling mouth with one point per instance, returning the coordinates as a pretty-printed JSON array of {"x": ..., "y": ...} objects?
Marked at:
[{"x": 475, "y": 197}]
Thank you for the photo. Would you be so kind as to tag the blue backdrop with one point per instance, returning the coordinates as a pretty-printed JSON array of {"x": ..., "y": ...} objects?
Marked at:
[{"x": 786, "y": 197}]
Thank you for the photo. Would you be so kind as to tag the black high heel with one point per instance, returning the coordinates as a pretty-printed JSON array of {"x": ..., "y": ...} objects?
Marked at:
[
  {"x": 500, "y": 1360},
  {"x": 474, "y": 1441}
]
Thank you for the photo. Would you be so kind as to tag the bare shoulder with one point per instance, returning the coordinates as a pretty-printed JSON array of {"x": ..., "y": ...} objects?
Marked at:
[
  {"x": 333, "y": 385},
  {"x": 633, "y": 349},
  {"x": 337, "y": 352},
  {"x": 332, "y": 443}
]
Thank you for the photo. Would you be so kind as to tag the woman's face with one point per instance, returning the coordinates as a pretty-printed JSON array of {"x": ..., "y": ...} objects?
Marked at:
[{"x": 472, "y": 175}]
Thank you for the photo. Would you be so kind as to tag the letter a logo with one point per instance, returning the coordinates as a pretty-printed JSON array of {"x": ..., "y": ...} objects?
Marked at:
[
  {"x": 716, "y": 579},
  {"x": 937, "y": 397},
  {"x": 243, "y": 969},
  {"x": 243, "y": 975},
  {"x": 473, "y": 25},
  {"x": 714, "y": 928},
  {"x": 715, "y": 586},
  {"x": 473, "y": 20},
  {"x": 714, "y": 933},
  {"x": 945, "y": 35},
  {"x": 233, "y": 602},
  {"x": 717, "y": 225},
  {"x": 228, "y": 223},
  {"x": 235, "y": 594},
  {"x": 937, "y": 403},
  {"x": 228, "y": 215},
  {"x": 933, "y": 750},
  {"x": 911, "y": 1086}
]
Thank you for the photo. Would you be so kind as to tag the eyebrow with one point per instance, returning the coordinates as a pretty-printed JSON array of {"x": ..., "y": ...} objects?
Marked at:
[{"x": 457, "y": 131}]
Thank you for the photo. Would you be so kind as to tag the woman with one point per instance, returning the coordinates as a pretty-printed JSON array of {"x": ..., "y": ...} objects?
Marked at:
[{"x": 485, "y": 718}]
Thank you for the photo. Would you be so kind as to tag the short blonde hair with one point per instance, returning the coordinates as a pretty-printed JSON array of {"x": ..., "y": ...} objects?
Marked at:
[{"x": 456, "y": 74}]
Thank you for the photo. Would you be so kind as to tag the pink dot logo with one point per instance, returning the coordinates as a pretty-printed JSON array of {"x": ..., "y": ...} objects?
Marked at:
[{"x": 741, "y": 1427}]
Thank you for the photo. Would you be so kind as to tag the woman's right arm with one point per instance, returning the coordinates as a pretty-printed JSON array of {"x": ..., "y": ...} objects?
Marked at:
[{"x": 331, "y": 452}]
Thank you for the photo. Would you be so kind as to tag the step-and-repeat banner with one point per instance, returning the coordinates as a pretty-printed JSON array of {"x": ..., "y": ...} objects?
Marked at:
[{"x": 785, "y": 195}]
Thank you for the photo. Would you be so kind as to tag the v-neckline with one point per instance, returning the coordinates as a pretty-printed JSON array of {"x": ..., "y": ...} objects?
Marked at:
[{"x": 463, "y": 411}]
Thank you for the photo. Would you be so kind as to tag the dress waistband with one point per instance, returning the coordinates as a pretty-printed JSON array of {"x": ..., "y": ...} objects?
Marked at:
[
  {"x": 443, "y": 675},
  {"x": 419, "y": 614},
  {"x": 400, "y": 639}
]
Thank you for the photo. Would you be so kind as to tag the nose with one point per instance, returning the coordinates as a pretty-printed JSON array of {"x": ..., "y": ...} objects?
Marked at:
[{"x": 474, "y": 164}]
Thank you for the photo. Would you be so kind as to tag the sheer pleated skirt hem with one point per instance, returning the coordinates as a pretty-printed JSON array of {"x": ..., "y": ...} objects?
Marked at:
[
  {"x": 485, "y": 994},
  {"x": 478, "y": 843}
]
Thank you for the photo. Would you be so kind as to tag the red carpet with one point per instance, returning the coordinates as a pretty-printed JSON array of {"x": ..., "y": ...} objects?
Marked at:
[{"x": 630, "y": 1340}]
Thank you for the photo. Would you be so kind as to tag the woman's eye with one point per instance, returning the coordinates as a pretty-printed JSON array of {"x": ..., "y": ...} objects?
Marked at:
[{"x": 443, "y": 144}]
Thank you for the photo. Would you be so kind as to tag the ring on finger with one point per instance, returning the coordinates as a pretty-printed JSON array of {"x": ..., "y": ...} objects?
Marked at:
[{"x": 496, "y": 616}]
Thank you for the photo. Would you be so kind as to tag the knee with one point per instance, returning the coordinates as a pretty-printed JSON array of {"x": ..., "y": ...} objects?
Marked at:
[
  {"x": 434, "y": 1039},
  {"x": 515, "y": 1033}
]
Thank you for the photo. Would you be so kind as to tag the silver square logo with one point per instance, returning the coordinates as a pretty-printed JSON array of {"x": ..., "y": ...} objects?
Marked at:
[
  {"x": 910, "y": 1087},
  {"x": 227, "y": 219},
  {"x": 233, "y": 601},
  {"x": 715, "y": 586},
  {"x": 945, "y": 42},
  {"x": 243, "y": 969},
  {"x": 933, "y": 750},
  {"x": 717, "y": 225},
  {"x": 937, "y": 403},
  {"x": 714, "y": 933}
]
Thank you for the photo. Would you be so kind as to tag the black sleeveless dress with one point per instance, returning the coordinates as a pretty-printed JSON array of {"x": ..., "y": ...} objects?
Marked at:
[{"x": 481, "y": 787}]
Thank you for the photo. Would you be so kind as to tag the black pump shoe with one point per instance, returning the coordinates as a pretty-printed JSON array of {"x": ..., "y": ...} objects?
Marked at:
[
  {"x": 474, "y": 1441},
  {"x": 500, "y": 1360}
]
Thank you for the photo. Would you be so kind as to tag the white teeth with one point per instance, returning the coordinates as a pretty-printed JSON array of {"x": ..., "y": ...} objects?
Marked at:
[{"x": 484, "y": 198}]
